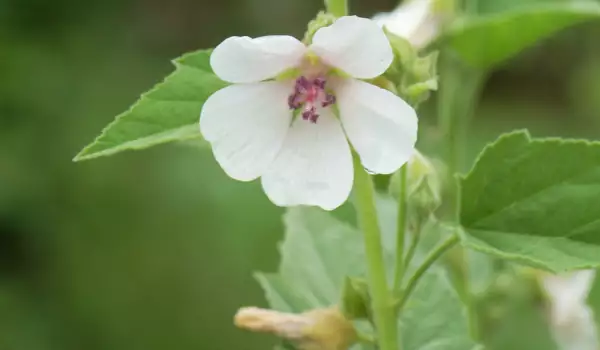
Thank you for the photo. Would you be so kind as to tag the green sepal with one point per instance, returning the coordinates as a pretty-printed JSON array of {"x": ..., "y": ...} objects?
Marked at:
[
  {"x": 403, "y": 49},
  {"x": 355, "y": 299},
  {"x": 419, "y": 79},
  {"x": 413, "y": 76}
]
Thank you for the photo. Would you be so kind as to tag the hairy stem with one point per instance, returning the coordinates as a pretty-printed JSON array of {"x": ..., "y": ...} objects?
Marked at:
[{"x": 382, "y": 304}]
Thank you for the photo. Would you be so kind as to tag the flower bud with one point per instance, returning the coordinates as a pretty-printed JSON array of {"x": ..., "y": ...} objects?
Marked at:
[
  {"x": 423, "y": 181},
  {"x": 318, "y": 329},
  {"x": 420, "y": 79},
  {"x": 414, "y": 75},
  {"x": 423, "y": 185}
]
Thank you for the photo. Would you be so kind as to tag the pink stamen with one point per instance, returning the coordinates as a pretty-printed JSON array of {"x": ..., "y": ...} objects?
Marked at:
[{"x": 309, "y": 94}]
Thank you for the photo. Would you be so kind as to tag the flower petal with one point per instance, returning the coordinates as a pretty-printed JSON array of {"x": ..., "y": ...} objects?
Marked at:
[
  {"x": 380, "y": 125},
  {"x": 358, "y": 46},
  {"x": 246, "y": 125},
  {"x": 414, "y": 20},
  {"x": 241, "y": 59},
  {"x": 314, "y": 166}
]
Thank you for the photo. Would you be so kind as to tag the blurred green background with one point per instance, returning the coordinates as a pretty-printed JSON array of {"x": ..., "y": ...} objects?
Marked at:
[{"x": 155, "y": 249}]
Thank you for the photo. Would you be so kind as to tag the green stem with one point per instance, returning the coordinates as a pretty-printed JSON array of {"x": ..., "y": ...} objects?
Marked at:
[
  {"x": 382, "y": 304},
  {"x": 414, "y": 243},
  {"x": 401, "y": 230},
  {"x": 429, "y": 260},
  {"x": 460, "y": 87},
  {"x": 337, "y": 8}
]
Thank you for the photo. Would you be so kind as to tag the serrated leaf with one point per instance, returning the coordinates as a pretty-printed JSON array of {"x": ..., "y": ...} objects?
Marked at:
[
  {"x": 535, "y": 201},
  {"x": 485, "y": 41},
  {"x": 319, "y": 251},
  {"x": 169, "y": 112}
]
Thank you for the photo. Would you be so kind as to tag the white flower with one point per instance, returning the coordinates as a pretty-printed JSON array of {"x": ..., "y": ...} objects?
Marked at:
[
  {"x": 288, "y": 132},
  {"x": 571, "y": 319},
  {"x": 414, "y": 20}
]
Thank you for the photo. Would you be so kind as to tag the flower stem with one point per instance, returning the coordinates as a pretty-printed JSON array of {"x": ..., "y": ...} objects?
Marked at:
[
  {"x": 382, "y": 304},
  {"x": 414, "y": 243},
  {"x": 460, "y": 88},
  {"x": 337, "y": 8},
  {"x": 401, "y": 230},
  {"x": 429, "y": 260}
]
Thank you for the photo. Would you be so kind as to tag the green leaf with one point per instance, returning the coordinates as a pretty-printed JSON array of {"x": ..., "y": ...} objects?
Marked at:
[
  {"x": 169, "y": 112},
  {"x": 317, "y": 255},
  {"x": 320, "y": 251},
  {"x": 434, "y": 318},
  {"x": 488, "y": 40},
  {"x": 535, "y": 202}
]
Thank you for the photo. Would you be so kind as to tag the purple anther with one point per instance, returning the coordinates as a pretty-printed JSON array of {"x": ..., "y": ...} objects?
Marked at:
[
  {"x": 320, "y": 83},
  {"x": 310, "y": 114},
  {"x": 328, "y": 101},
  {"x": 295, "y": 100},
  {"x": 309, "y": 94},
  {"x": 302, "y": 84}
]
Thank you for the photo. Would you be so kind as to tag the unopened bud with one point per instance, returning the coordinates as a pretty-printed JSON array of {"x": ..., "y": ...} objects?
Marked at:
[
  {"x": 289, "y": 326},
  {"x": 420, "y": 79},
  {"x": 423, "y": 185},
  {"x": 319, "y": 329}
]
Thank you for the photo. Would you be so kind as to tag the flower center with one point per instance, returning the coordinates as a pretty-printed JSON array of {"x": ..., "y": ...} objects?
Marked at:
[{"x": 308, "y": 94}]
